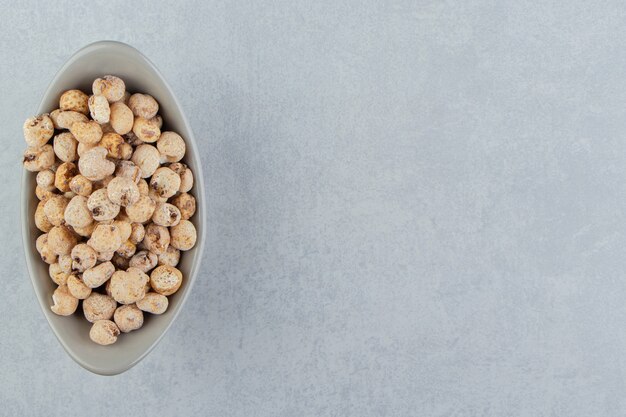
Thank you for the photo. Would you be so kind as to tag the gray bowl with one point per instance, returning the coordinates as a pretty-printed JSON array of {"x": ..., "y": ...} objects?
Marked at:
[{"x": 140, "y": 75}]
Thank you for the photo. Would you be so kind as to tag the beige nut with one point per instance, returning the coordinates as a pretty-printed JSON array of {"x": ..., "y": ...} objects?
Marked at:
[
  {"x": 81, "y": 185},
  {"x": 126, "y": 250},
  {"x": 38, "y": 130},
  {"x": 105, "y": 238},
  {"x": 45, "y": 251},
  {"x": 65, "y": 119},
  {"x": 124, "y": 225},
  {"x": 98, "y": 275},
  {"x": 128, "y": 169},
  {"x": 77, "y": 287},
  {"x": 105, "y": 256},
  {"x": 146, "y": 130},
  {"x": 144, "y": 189},
  {"x": 61, "y": 240},
  {"x": 54, "y": 209},
  {"x": 65, "y": 262},
  {"x": 157, "y": 238},
  {"x": 183, "y": 235},
  {"x": 165, "y": 182},
  {"x": 166, "y": 215},
  {"x": 83, "y": 257},
  {"x": 186, "y": 203},
  {"x": 146, "y": 157},
  {"x": 77, "y": 213},
  {"x": 144, "y": 260},
  {"x": 66, "y": 147},
  {"x": 143, "y": 105},
  {"x": 120, "y": 262},
  {"x": 171, "y": 147},
  {"x": 115, "y": 146},
  {"x": 154, "y": 303},
  {"x": 185, "y": 174},
  {"x": 45, "y": 179},
  {"x": 65, "y": 303},
  {"x": 137, "y": 232},
  {"x": 142, "y": 210},
  {"x": 170, "y": 257},
  {"x": 74, "y": 100},
  {"x": 110, "y": 86},
  {"x": 65, "y": 172},
  {"x": 43, "y": 194},
  {"x": 123, "y": 191},
  {"x": 121, "y": 119},
  {"x": 38, "y": 159},
  {"x": 57, "y": 274},
  {"x": 104, "y": 332},
  {"x": 88, "y": 132},
  {"x": 98, "y": 307},
  {"x": 41, "y": 221},
  {"x": 99, "y": 109},
  {"x": 166, "y": 279},
  {"x": 128, "y": 287},
  {"x": 101, "y": 207},
  {"x": 85, "y": 231},
  {"x": 128, "y": 318},
  {"x": 94, "y": 165}
]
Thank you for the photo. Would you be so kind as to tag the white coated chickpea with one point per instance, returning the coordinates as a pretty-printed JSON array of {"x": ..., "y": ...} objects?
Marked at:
[
  {"x": 143, "y": 105},
  {"x": 123, "y": 191},
  {"x": 65, "y": 303},
  {"x": 77, "y": 213},
  {"x": 104, "y": 332},
  {"x": 65, "y": 147},
  {"x": 183, "y": 235},
  {"x": 171, "y": 146},
  {"x": 74, "y": 100},
  {"x": 101, "y": 208},
  {"x": 166, "y": 280},
  {"x": 154, "y": 303},
  {"x": 77, "y": 287},
  {"x": 38, "y": 130},
  {"x": 109, "y": 86},
  {"x": 84, "y": 257},
  {"x": 99, "y": 108},
  {"x": 128, "y": 318},
  {"x": 146, "y": 157},
  {"x": 94, "y": 165},
  {"x": 105, "y": 238},
  {"x": 98, "y": 275},
  {"x": 98, "y": 307},
  {"x": 38, "y": 159}
]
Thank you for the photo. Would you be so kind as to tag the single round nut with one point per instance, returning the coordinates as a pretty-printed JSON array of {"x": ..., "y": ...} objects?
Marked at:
[
  {"x": 186, "y": 203},
  {"x": 54, "y": 209},
  {"x": 146, "y": 130},
  {"x": 85, "y": 231},
  {"x": 101, "y": 207},
  {"x": 121, "y": 119},
  {"x": 77, "y": 287},
  {"x": 43, "y": 195},
  {"x": 47, "y": 254},
  {"x": 170, "y": 257},
  {"x": 166, "y": 279},
  {"x": 185, "y": 174},
  {"x": 61, "y": 240},
  {"x": 166, "y": 215},
  {"x": 109, "y": 86},
  {"x": 41, "y": 221},
  {"x": 128, "y": 318},
  {"x": 120, "y": 262},
  {"x": 45, "y": 179},
  {"x": 165, "y": 182},
  {"x": 146, "y": 157},
  {"x": 66, "y": 147},
  {"x": 38, "y": 159},
  {"x": 144, "y": 260},
  {"x": 123, "y": 191},
  {"x": 99, "y": 108},
  {"x": 74, "y": 100},
  {"x": 124, "y": 225},
  {"x": 171, "y": 147},
  {"x": 81, "y": 185},
  {"x": 128, "y": 169},
  {"x": 183, "y": 235},
  {"x": 65, "y": 303},
  {"x": 142, "y": 210},
  {"x": 98, "y": 307},
  {"x": 157, "y": 238},
  {"x": 126, "y": 250},
  {"x": 83, "y": 257},
  {"x": 143, "y": 105},
  {"x": 104, "y": 332},
  {"x": 137, "y": 233},
  {"x": 115, "y": 146},
  {"x": 98, "y": 275},
  {"x": 65, "y": 119},
  {"x": 128, "y": 287},
  {"x": 105, "y": 238},
  {"x": 65, "y": 172},
  {"x": 77, "y": 213},
  {"x": 88, "y": 132},
  {"x": 57, "y": 275},
  {"x": 94, "y": 165},
  {"x": 154, "y": 303},
  {"x": 38, "y": 130}
]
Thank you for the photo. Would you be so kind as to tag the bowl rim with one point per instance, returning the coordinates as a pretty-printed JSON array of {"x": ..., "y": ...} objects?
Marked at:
[{"x": 26, "y": 195}]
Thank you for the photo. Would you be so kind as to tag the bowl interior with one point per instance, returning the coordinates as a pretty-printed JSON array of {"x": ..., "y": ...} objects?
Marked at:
[{"x": 73, "y": 332}]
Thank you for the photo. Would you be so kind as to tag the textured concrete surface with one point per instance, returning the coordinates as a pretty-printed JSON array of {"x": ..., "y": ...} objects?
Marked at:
[{"x": 416, "y": 209}]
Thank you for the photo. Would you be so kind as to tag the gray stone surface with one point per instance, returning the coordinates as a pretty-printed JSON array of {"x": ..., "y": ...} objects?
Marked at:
[{"x": 415, "y": 209}]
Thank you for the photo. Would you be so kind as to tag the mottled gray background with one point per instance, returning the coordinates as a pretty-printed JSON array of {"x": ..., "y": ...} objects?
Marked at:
[{"x": 415, "y": 209}]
